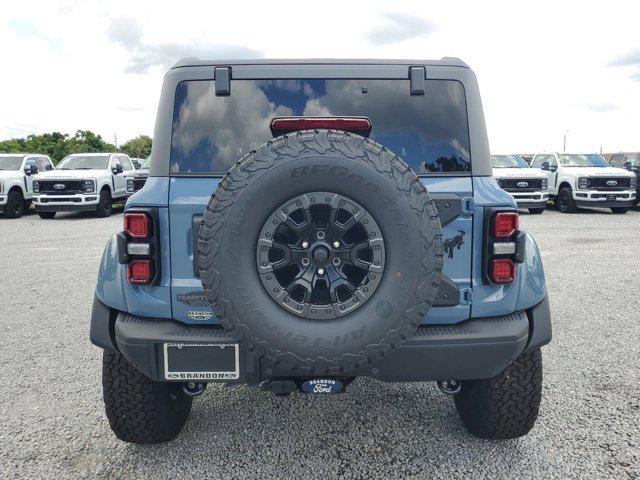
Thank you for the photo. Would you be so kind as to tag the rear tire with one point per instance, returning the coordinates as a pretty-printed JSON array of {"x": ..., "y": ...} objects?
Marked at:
[
  {"x": 505, "y": 406},
  {"x": 565, "y": 201},
  {"x": 536, "y": 211},
  {"x": 141, "y": 410},
  {"x": 105, "y": 207},
  {"x": 47, "y": 215},
  {"x": 620, "y": 210},
  {"x": 15, "y": 205}
]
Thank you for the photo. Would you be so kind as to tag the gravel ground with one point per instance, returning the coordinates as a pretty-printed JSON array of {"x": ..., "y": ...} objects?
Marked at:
[{"x": 52, "y": 423}]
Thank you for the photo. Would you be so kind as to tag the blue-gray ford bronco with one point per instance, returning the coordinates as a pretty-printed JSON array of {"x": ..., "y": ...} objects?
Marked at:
[{"x": 306, "y": 223}]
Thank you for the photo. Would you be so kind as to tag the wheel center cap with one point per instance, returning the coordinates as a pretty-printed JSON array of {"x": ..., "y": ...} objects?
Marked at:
[{"x": 320, "y": 255}]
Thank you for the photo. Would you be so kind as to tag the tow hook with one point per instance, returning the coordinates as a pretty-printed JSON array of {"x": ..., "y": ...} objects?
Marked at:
[
  {"x": 193, "y": 389},
  {"x": 450, "y": 387}
]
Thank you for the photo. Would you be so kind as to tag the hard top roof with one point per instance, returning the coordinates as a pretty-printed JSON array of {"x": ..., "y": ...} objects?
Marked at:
[{"x": 197, "y": 62}]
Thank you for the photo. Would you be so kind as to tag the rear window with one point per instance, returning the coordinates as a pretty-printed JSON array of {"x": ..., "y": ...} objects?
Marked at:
[{"x": 210, "y": 133}]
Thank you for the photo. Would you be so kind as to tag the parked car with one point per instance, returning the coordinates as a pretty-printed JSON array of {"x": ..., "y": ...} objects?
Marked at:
[
  {"x": 586, "y": 180},
  {"x": 630, "y": 162},
  {"x": 16, "y": 180},
  {"x": 137, "y": 179},
  {"x": 527, "y": 185},
  {"x": 82, "y": 181},
  {"x": 299, "y": 245}
]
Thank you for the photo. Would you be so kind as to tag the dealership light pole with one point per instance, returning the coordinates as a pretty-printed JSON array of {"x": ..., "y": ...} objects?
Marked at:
[{"x": 564, "y": 143}]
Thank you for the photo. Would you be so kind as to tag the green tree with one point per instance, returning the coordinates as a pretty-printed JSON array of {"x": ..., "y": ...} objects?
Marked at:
[
  {"x": 58, "y": 145},
  {"x": 139, "y": 147}
]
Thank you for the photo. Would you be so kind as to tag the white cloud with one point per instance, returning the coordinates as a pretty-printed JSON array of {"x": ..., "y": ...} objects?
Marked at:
[
  {"x": 396, "y": 27},
  {"x": 540, "y": 66}
]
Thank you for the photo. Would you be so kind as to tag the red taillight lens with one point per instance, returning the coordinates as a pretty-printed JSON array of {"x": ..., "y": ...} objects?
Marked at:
[
  {"x": 503, "y": 270},
  {"x": 292, "y": 124},
  {"x": 140, "y": 272},
  {"x": 137, "y": 225},
  {"x": 505, "y": 224}
]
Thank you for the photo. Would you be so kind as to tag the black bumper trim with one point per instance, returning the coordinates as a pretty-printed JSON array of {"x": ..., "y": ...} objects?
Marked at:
[
  {"x": 540, "y": 331},
  {"x": 101, "y": 332},
  {"x": 65, "y": 208},
  {"x": 532, "y": 204},
  {"x": 604, "y": 203}
]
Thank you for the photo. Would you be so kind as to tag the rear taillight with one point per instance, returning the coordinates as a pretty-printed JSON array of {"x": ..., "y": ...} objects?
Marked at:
[
  {"x": 140, "y": 272},
  {"x": 138, "y": 246},
  {"x": 282, "y": 125},
  {"x": 503, "y": 270},
  {"x": 137, "y": 225},
  {"x": 504, "y": 246},
  {"x": 504, "y": 224}
]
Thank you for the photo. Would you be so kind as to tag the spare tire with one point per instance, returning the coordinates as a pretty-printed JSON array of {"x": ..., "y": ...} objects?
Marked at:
[{"x": 322, "y": 250}]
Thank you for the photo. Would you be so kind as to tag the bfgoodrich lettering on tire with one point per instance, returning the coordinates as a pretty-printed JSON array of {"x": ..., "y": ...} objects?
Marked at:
[{"x": 395, "y": 257}]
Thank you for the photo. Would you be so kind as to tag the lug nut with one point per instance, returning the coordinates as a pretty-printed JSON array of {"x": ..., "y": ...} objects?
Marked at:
[
  {"x": 320, "y": 235},
  {"x": 336, "y": 261},
  {"x": 336, "y": 244},
  {"x": 321, "y": 271},
  {"x": 305, "y": 261},
  {"x": 305, "y": 244}
]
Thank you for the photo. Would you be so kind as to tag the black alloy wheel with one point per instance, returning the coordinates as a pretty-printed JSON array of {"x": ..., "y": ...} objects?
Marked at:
[{"x": 320, "y": 255}]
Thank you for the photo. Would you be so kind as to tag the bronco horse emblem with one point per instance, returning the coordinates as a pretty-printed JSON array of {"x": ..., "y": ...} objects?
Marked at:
[{"x": 454, "y": 242}]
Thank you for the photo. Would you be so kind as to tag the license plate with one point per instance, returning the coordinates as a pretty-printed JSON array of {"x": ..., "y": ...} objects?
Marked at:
[
  {"x": 611, "y": 197},
  {"x": 201, "y": 361}
]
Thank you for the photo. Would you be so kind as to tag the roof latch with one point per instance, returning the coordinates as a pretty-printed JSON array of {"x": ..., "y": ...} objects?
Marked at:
[
  {"x": 223, "y": 81},
  {"x": 417, "y": 76}
]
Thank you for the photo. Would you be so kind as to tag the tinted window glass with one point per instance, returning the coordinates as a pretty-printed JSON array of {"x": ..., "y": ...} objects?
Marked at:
[
  {"x": 428, "y": 131},
  {"x": 10, "y": 162},
  {"x": 538, "y": 161},
  {"x": 633, "y": 160},
  {"x": 508, "y": 161},
  {"x": 43, "y": 163},
  {"x": 582, "y": 160},
  {"x": 617, "y": 160},
  {"x": 126, "y": 164},
  {"x": 84, "y": 162}
]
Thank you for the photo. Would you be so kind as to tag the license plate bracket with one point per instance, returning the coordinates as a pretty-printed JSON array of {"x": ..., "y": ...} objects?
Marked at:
[
  {"x": 612, "y": 198},
  {"x": 201, "y": 361}
]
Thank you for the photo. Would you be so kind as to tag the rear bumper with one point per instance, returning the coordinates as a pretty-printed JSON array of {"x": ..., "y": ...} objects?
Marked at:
[{"x": 475, "y": 349}]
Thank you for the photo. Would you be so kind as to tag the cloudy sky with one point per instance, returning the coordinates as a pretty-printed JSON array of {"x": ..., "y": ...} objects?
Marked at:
[{"x": 544, "y": 69}]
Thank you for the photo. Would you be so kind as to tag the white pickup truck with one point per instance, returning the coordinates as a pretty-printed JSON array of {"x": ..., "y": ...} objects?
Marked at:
[
  {"x": 586, "y": 180},
  {"x": 83, "y": 181},
  {"x": 137, "y": 180},
  {"x": 17, "y": 171},
  {"x": 527, "y": 185}
]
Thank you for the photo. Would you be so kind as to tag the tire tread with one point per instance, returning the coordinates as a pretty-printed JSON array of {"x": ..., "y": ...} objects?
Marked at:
[{"x": 282, "y": 149}]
